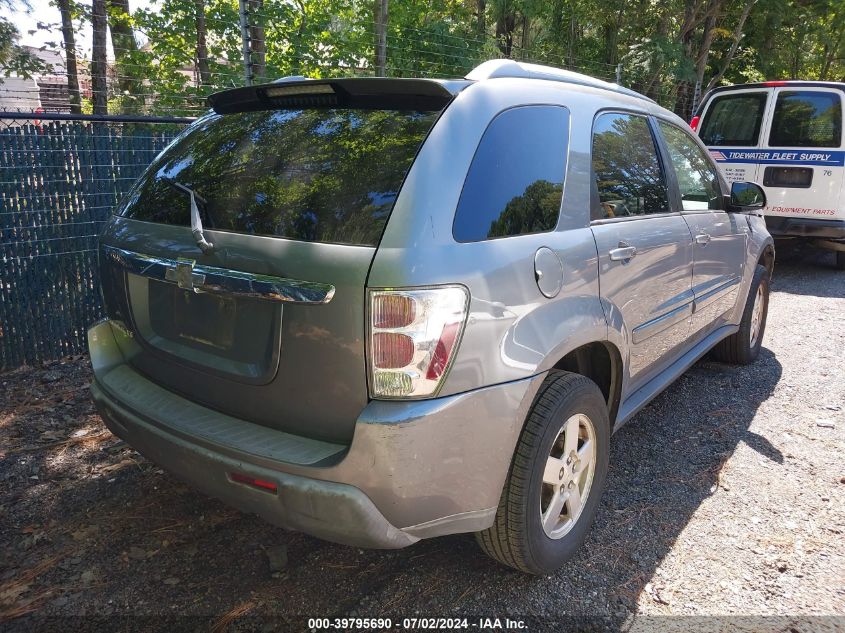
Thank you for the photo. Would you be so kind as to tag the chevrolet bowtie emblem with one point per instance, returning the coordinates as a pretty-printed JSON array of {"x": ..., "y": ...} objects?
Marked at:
[{"x": 184, "y": 276}]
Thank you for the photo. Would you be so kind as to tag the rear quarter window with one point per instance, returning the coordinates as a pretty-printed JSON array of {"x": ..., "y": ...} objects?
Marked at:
[
  {"x": 734, "y": 120},
  {"x": 514, "y": 185},
  {"x": 314, "y": 175},
  {"x": 807, "y": 119}
]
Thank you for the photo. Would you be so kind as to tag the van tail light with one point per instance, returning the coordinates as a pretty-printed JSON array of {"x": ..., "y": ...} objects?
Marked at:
[
  {"x": 413, "y": 338},
  {"x": 694, "y": 123}
]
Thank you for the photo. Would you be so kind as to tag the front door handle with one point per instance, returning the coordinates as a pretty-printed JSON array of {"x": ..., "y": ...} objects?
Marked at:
[
  {"x": 703, "y": 239},
  {"x": 623, "y": 253}
]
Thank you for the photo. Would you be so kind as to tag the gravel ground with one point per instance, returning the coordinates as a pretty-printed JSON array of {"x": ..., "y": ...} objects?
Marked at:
[{"x": 725, "y": 497}]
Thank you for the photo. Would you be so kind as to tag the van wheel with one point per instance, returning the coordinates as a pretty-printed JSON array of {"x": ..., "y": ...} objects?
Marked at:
[
  {"x": 840, "y": 260},
  {"x": 556, "y": 477},
  {"x": 743, "y": 347}
]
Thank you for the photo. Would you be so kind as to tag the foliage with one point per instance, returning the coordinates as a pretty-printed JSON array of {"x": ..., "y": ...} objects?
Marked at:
[
  {"x": 663, "y": 48},
  {"x": 14, "y": 59}
]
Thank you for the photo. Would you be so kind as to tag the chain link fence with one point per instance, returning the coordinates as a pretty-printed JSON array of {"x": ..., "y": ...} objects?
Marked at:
[{"x": 60, "y": 178}]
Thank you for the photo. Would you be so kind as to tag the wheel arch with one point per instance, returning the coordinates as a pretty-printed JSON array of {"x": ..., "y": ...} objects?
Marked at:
[
  {"x": 601, "y": 362},
  {"x": 767, "y": 258}
]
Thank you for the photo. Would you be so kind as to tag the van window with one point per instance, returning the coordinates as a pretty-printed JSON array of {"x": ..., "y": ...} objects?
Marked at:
[
  {"x": 734, "y": 119},
  {"x": 514, "y": 185},
  {"x": 316, "y": 175},
  {"x": 807, "y": 119},
  {"x": 698, "y": 181},
  {"x": 627, "y": 171}
]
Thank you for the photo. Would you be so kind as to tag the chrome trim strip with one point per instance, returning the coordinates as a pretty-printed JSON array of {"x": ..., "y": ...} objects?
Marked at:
[
  {"x": 664, "y": 321},
  {"x": 200, "y": 278},
  {"x": 712, "y": 295}
]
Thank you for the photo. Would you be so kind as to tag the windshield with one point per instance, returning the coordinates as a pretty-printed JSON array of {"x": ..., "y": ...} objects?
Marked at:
[{"x": 319, "y": 175}]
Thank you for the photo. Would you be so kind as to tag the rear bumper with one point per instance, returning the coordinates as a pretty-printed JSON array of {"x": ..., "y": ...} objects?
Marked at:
[
  {"x": 805, "y": 227},
  {"x": 413, "y": 470}
]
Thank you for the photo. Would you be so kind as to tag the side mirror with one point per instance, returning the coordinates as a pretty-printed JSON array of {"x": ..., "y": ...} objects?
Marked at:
[{"x": 746, "y": 197}]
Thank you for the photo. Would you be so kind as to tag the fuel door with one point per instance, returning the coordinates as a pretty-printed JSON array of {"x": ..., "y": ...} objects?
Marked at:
[{"x": 548, "y": 272}]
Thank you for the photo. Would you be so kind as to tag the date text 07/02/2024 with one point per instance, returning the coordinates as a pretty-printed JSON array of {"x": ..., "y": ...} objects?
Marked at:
[{"x": 417, "y": 623}]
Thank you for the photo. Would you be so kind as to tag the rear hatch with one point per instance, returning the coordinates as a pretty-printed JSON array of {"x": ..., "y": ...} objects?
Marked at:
[{"x": 293, "y": 187}]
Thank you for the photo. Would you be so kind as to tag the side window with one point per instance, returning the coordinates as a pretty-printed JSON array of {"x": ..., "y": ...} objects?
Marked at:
[
  {"x": 697, "y": 178},
  {"x": 514, "y": 185},
  {"x": 807, "y": 119},
  {"x": 628, "y": 176},
  {"x": 734, "y": 120}
]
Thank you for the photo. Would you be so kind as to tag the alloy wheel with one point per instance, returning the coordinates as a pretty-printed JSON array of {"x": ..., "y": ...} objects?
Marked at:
[{"x": 568, "y": 476}]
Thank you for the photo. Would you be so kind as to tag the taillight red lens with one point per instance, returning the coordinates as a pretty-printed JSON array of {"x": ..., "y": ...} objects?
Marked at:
[
  {"x": 392, "y": 350},
  {"x": 413, "y": 335},
  {"x": 442, "y": 351},
  {"x": 393, "y": 311},
  {"x": 694, "y": 123},
  {"x": 774, "y": 84}
]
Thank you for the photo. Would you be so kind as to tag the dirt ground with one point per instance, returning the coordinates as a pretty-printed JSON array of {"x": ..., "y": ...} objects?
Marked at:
[{"x": 725, "y": 497}]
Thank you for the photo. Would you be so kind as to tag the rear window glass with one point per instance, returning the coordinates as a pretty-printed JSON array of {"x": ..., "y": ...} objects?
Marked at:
[
  {"x": 734, "y": 120},
  {"x": 515, "y": 182},
  {"x": 807, "y": 119},
  {"x": 319, "y": 175}
]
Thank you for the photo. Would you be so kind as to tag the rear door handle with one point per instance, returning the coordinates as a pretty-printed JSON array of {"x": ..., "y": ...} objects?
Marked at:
[
  {"x": 623, "y": 253},
  {"x": 703, "y": 239}
]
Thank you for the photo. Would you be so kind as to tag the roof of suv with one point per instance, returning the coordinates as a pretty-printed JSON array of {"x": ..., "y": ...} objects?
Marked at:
[{"x": 396, "y": 93}]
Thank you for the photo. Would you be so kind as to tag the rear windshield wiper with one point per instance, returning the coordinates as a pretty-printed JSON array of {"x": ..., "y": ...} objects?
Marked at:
[{"x": 196, "y": 221}]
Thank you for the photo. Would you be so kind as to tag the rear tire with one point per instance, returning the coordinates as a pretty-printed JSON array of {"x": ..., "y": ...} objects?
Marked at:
[
  {"x": 840, "y": 260},
  {"x": 549, "y": 477},
  {"x": 743, "y": 347}
]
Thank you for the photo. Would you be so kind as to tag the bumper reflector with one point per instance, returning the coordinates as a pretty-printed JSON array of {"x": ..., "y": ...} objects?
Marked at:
[{"x": 267, "y": 486}]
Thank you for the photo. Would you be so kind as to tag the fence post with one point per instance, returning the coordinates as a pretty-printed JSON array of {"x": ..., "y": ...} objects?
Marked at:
[
  {"x": 696, "y": 96},
  {"x": 619, "y": 74},
  {"x": 245, "y": 44}
]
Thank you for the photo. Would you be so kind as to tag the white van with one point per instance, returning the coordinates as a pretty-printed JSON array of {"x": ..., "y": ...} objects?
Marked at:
[{"x": 786, "y": 135}]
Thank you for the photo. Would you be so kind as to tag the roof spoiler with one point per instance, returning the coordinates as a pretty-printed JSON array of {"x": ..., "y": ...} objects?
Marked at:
[{"x": 366, "y": 93}]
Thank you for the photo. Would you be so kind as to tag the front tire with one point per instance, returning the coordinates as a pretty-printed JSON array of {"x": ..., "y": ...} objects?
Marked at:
[
  {"x": 743, "y": 347},
  {"x": 556, "y": 477}
]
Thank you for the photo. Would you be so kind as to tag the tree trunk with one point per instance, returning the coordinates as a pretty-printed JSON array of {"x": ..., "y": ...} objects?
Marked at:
[
  {"x": 123, "y": 42},
  {"x": 70, "y": 58},
  {"x": 526, "y": 37},
  {"x": 611, "y": 39},
  {"x": 737, "y": 36},
  {"x": 706, "y": 43},
  {"x": 652, "y": 86},
  {"x": 257, "y": 44},
  {"x": 99, "y": 85},
  {"x": 298, "y": 40},
  {"x": 505, "y": 27},
  {"x": 203, "y": 70},
  {"x": 380, "y": 16},
  {"x": 481, "y": 19}
]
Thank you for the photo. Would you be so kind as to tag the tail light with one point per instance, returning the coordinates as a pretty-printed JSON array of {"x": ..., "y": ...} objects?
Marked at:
[
  {"x": 413, "y": 337},
  {"x": 694, "y": 123}
]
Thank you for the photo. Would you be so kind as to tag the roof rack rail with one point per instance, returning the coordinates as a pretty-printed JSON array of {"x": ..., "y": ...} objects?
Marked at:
[{"x": 496, "y": 68}]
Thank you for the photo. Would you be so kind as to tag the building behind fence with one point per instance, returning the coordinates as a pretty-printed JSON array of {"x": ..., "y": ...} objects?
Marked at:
[{"x": 60, "y": 178}]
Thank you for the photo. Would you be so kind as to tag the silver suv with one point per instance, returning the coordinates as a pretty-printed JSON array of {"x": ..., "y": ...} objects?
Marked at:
[{"x": 382, "y": 310}]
